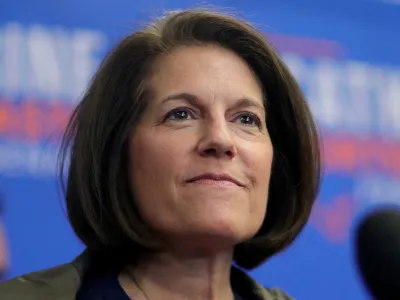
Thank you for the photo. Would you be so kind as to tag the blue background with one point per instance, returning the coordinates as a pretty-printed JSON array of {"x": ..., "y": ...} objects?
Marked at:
[{"x": 315, "y": 267}]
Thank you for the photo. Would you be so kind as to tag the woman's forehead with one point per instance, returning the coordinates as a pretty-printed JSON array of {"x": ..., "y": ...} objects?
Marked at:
[{"x": 207, "y": 72}]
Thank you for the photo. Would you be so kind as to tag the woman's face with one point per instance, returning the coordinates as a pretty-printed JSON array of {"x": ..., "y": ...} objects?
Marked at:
[{"x": 200, "y": 159}]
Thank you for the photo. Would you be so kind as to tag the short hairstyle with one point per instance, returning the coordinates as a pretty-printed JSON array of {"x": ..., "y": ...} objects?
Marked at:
[{"x": 101, "y": 208}]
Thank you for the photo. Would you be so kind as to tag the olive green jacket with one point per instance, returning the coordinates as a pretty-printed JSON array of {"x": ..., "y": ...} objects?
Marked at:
[{"x": 62, "y": 283}]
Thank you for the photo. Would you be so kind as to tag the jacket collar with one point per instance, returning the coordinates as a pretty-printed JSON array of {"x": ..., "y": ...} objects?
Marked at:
[
  {"x": 243, "y": 284},
  {"x": 63, "y": 282}
]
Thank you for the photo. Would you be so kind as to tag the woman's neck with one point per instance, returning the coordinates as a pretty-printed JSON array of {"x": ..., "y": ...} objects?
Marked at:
[{"x": 168, "y": 276}]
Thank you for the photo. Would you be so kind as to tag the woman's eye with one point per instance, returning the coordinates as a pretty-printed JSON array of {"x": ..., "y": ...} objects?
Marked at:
[
  {"x": 179, "y": 114},
  {"x": 248, "y": 120}
]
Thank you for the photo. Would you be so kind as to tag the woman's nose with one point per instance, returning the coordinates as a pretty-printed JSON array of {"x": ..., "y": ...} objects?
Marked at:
[{"x": 217, "y": 141}]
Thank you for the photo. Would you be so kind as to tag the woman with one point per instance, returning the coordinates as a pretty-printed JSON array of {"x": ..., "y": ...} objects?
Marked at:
[{"x": 193, "y": 148}]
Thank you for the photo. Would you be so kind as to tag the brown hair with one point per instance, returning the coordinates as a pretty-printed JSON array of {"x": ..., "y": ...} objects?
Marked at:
[{"x": 99, "y": 204}]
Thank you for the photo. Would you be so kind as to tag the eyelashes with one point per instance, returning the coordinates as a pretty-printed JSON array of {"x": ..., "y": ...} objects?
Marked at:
[
  {"x": 249, "y": 119},
  {"x": 180, "y": 114},
  {"x": 183, "y": 114}
]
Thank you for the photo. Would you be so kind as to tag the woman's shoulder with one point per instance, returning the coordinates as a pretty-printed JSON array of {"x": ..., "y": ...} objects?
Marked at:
[
  {"x": 248, "y": 288},
  {"x": 60, "y": 282},
  {"x": 278, "y": 294},
  {"x": 263, "y": 293}
]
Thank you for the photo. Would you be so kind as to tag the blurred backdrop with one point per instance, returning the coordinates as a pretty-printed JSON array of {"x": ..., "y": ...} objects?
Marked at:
[{"x": 345, "y": 54}]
